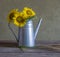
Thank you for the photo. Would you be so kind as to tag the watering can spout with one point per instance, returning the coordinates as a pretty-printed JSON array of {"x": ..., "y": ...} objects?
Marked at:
[{"x": 37, "y": 28}]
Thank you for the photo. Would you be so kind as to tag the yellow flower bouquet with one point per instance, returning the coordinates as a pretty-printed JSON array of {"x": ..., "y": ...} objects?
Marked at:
[{"x": 21, "y": 18}]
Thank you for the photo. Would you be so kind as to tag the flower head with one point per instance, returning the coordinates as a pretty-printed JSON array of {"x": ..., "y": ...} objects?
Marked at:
[
  {"x": 19, "y": 21},
  {"x": 12, "y": 15},
  {"x": 28, "y": 13}
]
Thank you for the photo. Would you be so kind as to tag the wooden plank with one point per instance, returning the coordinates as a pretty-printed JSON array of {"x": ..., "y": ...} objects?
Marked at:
[
  {"x": 6, "y": 46},
  {"x": 8, "y": 43}
]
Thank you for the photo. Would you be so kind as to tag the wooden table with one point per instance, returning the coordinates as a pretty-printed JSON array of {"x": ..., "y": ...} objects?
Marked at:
[{"x": 10, "y": 49}]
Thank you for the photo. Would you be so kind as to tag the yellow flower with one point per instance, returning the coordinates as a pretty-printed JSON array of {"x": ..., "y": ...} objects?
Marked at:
[
  {"x": 19, "y": 21},
  {"x": 12, "y": 15},
  {"x": 28, "y": 13},
  {"x": 20, "y": 18}
]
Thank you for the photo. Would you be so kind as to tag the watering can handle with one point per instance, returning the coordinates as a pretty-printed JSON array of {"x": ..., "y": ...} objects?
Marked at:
[{"x": 12, "y": 31}]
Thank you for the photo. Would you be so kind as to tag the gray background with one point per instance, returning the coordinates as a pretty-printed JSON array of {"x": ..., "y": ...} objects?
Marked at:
[{"x": 49, "y": 10}]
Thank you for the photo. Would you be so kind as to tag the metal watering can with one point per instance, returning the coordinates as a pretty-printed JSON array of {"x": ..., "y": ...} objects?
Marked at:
[{"x": 27, "y": 35}]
